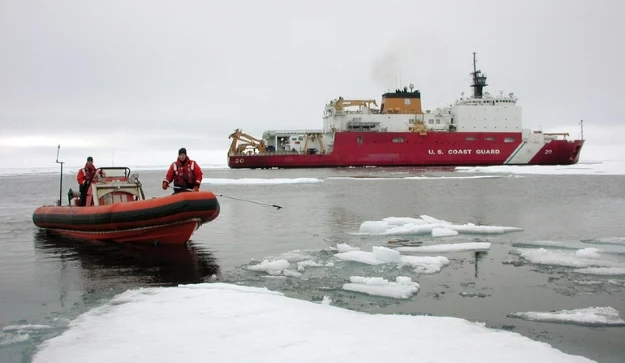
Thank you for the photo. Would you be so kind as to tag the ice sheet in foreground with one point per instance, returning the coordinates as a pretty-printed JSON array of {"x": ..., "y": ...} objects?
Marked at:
[
  {"x": 588, "y": 316},
  {"x": 218, "y": 322}
]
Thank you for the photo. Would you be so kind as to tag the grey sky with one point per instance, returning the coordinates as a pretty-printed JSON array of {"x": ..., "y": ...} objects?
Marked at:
[{"x": 147, "y": 77}]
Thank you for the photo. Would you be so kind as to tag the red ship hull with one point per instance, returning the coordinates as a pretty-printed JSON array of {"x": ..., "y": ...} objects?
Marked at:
[{"x": 413, "y": 149}]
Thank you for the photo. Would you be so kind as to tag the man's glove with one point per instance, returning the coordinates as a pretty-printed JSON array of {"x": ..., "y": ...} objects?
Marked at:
[
  {"x": 165, "y": 185},
  {"x": 196, "y": 188}
]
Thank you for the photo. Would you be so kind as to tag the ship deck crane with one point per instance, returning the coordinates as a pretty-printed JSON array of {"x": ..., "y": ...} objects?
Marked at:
[
  {"x": 250, "y": 143},
  {"x": 312, "y": 138},
  {"x": 341, "y": 102}
]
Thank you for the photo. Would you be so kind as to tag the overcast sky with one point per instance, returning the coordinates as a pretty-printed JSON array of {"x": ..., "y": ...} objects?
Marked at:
[{"x": 133, "y": 81}]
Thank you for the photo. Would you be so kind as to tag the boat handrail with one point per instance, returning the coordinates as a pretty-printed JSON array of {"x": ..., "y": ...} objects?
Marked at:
[
  {"x": 125, "y": 169},
  {"x": 116, "y": 185}
]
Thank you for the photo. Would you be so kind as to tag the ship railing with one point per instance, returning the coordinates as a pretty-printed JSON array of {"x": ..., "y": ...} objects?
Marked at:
[
  {"x": 278, "y": 153},
  {"x": 556, "y": 135}
]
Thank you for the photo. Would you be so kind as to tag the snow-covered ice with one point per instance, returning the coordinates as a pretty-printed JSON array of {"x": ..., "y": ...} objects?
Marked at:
[
  {"x": 257, "y": 181},
  {"x": 568, "y": 258},
  {"x": 586, "y": 316},
  {"x": 616, "y": 167},
  {"x": 426, "y": 225},
  {"x": 382, "y": 255},
  {"x": 402, "y": 288},
  {"x": 220, "y": 322},
  {"x": 601, "y": 270},
  {"x": 451, "y": 247}
]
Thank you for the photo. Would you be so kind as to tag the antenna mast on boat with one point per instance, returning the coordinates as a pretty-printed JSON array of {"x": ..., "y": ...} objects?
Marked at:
[
  {"x": 58, "y": 149},
  {"x": 479, "y": 80},
  {"x": 581, "y": 125}
]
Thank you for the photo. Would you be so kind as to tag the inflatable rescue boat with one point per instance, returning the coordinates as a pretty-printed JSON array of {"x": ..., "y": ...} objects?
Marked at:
[{"x": 117, "y": 210}]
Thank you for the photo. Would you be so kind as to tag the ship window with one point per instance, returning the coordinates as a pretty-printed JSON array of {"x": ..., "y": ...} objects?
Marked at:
[
  {"x": 470, "y": 138},
  {"x": 398, "y": 139},
  {"x": 438, "y": 121},
  {"x": 431, "y": 121},
  {"x": 490, "y": 138},
  {"x": 508, "y": 139},
  {"x": 359, "y": 139}
]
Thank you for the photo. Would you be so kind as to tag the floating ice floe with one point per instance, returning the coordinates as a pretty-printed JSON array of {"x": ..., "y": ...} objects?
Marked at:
[
  {"x": 414, "y": 177},
  {"x": 13, "y": 334},
  {"x": 256, "y": 181},
  {"x": 607, "y": 241},
  {"x": 601, "y": 168},
  {"x": 275, "y": 267},
  {"x": 588, "y": 253},
  {"x": 280, "y": 267},
  {"x": 26, "y": 327},
  {"x": 381, "y": 255},
  {"x": 590, "y": 283},
  {"x": 587, "y": 316},
  {"x": 426, "y": 225},
  {"x": 402, "y": 288},
  {"x": 452, "y": 247},
  {"x": 14, "y": 338},
  {"x": 575, "y": 245},
  {"x": 473, "y": 294},
  {"x": 344, "y": 247},
  {"x": 605, "y": 271},
  {"x": 569, "y": 258}
]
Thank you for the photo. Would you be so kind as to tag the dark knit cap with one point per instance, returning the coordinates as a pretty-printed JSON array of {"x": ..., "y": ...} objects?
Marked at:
[
  {"x": 182, "y": 151},
  {"x": 89, "y": 159}
]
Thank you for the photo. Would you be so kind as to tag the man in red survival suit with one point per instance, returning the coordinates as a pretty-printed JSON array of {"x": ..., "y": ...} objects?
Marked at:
[
  {"x": 85, "y": 177},
  {"x": 185, "y": 173}
]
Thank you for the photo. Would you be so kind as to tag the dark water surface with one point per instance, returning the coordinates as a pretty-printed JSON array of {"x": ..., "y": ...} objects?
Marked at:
[{"x": 48, "y": 281}]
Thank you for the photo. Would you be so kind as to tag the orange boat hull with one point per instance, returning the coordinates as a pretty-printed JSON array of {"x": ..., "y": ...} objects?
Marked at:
[{"x": 165, "y": 220}]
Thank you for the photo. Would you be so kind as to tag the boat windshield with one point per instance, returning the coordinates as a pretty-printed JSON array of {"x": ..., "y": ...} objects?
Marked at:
[{"x": 116, "y": 171}]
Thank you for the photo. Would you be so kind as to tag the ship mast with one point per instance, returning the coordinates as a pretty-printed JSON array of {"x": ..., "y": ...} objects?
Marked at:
[
  {"x": 581, "y": 125},
  {"x": 479, "y": 80}
]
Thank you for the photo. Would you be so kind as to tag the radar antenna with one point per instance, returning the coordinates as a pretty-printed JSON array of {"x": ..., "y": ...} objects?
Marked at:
[{"x": 479, "y": 80}]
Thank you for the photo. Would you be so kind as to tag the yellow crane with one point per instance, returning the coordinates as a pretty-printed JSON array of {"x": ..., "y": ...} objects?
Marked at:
[
  {"x": 340, "y": 103},
  {"x": 248, "y": 142},
  {"x": 312, "y": 138}
]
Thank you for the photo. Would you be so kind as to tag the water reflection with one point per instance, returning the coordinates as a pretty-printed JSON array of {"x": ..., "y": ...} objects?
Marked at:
[
  {"x": 478, "y": 255},
  {"x": 160, "y": 265}
]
